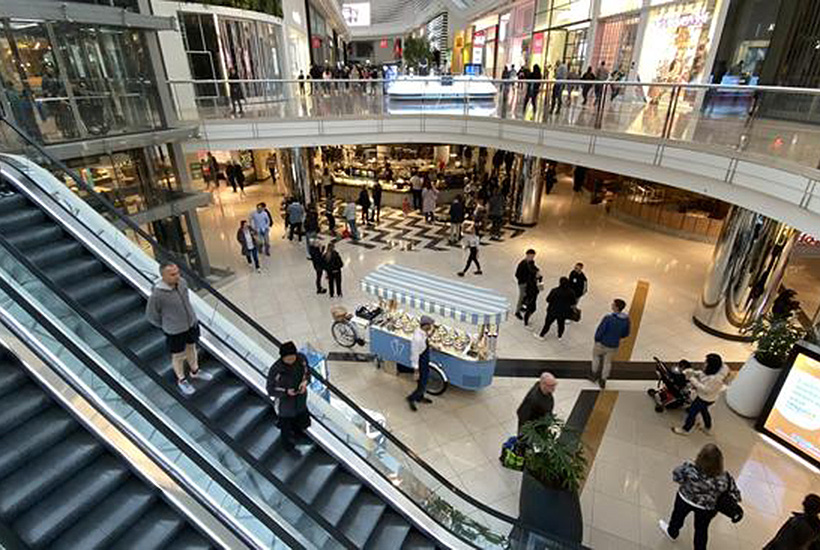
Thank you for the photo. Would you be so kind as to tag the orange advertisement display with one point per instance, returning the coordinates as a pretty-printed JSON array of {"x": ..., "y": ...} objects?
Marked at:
[{"x": 795, "y": 416}]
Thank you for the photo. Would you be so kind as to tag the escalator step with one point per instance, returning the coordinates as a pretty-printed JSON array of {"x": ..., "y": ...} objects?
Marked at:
[
  {"x": 55, "y": 252},
  {"x": 35, "y": 236},
  {"x": 149, "y": 345},
  {"x": 102, "y": 284},
  {"x": 73, "y": 270},
  {"x": 313, "y": 476},
  {"x": 285, "y": 464},
  {"x": 338, "y": 496},
  {"x": 240, "y": 420},
  {"x": 32, "y": 483},
  {"x": 417, "y": 541},
  {"x": 112, "y": 517},
  {"x": 362, "y": 517},
  {"x": 391, "y": 532},
  {"x": 111, "y": 307},
  {"x": 189, "y": 540},
  {"x": 217, "y": 399},
  {"x": 153, "y": 531},
  {"x": 29, "y": 439},
  {"x": 44, "y": 521},
  {"x": 263, "y": 439},
  {"x": 130, "y": 326},
  {"x": 10, "y": 378},
  {"x": 13, "y": 203},
  {"x": 15, "y": 220},
  {"x": 21, "y": 405}
]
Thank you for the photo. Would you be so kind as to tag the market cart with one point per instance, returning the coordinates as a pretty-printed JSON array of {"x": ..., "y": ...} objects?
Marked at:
[{"x": 467, "y": 355}]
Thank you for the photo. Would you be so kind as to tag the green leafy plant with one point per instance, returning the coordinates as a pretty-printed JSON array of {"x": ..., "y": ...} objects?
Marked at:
[
  {"x": 415, "y": 51},
  {"x": 554, "y": 455},
  {"x": 774, "y": 338}
]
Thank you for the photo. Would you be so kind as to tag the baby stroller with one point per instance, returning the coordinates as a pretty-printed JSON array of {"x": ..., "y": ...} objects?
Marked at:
[{"x": 673, "y": 390}]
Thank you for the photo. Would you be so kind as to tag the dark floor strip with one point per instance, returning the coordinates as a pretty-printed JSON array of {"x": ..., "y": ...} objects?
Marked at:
[
  {"x": 595, "y": 426},
  {"x": 350, "y": 356}
]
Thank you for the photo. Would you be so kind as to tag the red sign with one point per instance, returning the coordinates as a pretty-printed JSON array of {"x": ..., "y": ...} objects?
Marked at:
[
  {"x": 317, "y": 42},
  {"x": 385, "y": 43},
  {"x": 479, "y": 38},
  {"x": 538, "y": 43}
]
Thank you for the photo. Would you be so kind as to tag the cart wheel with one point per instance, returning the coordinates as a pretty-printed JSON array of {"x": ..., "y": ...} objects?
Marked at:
[
  {"x": 344, "y": 334},
  {"x": 658, "y": 408},
  {"x": 437, "y": 383},
  {"x": 651, "y": 392}
]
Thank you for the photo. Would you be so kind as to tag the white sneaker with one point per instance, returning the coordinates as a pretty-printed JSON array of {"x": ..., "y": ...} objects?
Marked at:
[
  {"x": 665, "y": 528},
  {"x": 185, "y": 387},
  {"x": 680, "y": 431},
  {"x": 705, "y": 430},
  {"x": 202, "y": 375},
  {"x": 537, "y": 336}
]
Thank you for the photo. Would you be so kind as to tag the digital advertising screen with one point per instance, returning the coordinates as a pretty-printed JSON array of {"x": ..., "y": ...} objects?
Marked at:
[{"x": 792, "y": 414}]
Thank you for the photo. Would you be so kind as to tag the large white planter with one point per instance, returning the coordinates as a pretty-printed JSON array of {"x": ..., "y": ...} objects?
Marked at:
[{"x": 748, "y": 392}]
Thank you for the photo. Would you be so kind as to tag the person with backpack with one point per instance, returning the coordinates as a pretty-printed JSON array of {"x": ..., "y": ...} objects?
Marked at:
[
  {"x": 702, "y": 484},
  {"x": 802, "y": 530}
]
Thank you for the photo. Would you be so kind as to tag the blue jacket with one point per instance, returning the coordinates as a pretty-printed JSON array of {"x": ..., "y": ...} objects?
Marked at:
[{"x": 612, "y": 328}]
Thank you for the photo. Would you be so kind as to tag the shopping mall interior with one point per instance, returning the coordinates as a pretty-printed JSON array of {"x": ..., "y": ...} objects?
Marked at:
[{"x": 460, "y": 274}]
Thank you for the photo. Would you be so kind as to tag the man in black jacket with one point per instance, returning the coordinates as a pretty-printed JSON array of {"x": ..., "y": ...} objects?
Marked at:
[
  {"x": 578, "y": 280},
  {"x": 288, "y": 379},
  {"x": 538, "y": 402},
  {"x": 525, "y": 271},
  {"x": 801, "y": 531}
]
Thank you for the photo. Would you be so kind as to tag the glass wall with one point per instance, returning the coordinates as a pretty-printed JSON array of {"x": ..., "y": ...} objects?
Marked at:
[
  {"x": 563, "y": 25},
  {"x": 615, "y": 42},
  {"x": 92, "y": 82}
]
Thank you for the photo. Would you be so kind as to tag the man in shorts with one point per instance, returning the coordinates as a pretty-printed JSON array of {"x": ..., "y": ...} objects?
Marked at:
[{"x": 169, "y": 308}]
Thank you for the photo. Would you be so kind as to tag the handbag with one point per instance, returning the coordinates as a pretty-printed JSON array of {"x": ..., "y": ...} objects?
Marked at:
[
  {"x": 575, "y": 314},
  {"x": 728, "y": 506},
  {"x": 512, "y": 454}
]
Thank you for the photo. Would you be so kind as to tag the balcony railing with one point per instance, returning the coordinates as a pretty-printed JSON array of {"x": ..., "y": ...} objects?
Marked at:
[{"x": 777, "y": 122}]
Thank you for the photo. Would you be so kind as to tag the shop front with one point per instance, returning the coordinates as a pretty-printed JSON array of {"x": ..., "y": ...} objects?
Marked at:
[{"x": 562, "y": 26}]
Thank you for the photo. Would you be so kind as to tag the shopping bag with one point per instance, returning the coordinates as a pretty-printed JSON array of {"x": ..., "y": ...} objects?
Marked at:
[
  {"x": 346, "y": 233},
  {"x": 512, "y": 454},
  {"x": 575, "y": 314}
]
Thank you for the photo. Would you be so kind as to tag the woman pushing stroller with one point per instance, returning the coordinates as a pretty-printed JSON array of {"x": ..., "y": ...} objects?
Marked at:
[{"x": 708, "y": 384}]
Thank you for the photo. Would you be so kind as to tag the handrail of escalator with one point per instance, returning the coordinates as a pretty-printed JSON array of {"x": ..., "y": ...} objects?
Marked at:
[
  {"x": 154, "y": 375},
  {"x": 203, "y": 284},
  {"x": 149, "y": 415}
]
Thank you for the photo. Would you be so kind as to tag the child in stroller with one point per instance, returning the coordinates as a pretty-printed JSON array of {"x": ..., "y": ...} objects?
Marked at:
[{"x": 673, "y": 389}]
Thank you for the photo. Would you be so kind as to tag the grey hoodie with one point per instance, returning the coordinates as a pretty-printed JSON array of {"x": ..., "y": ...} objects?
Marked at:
[{"x": 170, "y": 308}]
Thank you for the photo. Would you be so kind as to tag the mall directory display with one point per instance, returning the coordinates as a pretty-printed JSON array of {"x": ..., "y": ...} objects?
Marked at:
[
  {"x": 792, "y": 413},
  {"x": 467, "y": 358}
]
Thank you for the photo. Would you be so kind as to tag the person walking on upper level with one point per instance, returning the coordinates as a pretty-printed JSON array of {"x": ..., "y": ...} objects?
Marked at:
[
  {"x": 416, "y": 185},
  {"x": 261, "y": 222},
  {"x": 377, "y": 202},
  {"x": 169, "y": 308},
  {"x": 456, "y": 219},
  {"x": 558, "y": 88},
  {"x": 588, "y": 76},
  {"x": 429, "y": 195},
  {"x": 601, "y": 75},
  {"x": 613, "y": 327},
  {"x": 317, "y": 258},
  {"x": 350, "y": 219},
  {"x": 472, "y": 242},
  {"x": 333, "y": 264},
  {"x": 237, "y": 95}
]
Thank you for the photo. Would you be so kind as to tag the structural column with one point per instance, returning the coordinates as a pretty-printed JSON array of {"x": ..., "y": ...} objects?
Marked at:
[
  {"x": 296, "y": 173},
  {"x": 527, "y": 191},
  {"x": 748, "y": 264}
]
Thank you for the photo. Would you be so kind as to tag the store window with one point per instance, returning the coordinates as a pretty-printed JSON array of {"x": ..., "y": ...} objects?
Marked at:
[
  {"x": 202, "y": 48},
  {"x": 676, "y": 42},
  {"x": 92, "y": 82},
  {"x": 615, "y": 42}
]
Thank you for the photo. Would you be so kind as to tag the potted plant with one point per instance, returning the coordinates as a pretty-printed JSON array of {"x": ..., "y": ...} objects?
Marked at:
[
  {"x": 554, "y": 467},
  {"x": 774, "y": 337}
]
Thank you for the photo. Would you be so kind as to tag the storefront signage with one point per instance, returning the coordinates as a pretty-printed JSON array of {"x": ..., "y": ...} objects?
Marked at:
[
  {"x": 316, "y": 42},
  {"x": 806, "y": 245},
  {"x": 357, "y": 15},
  {"x": 538, "y": 43},
  {"x": 384, "y": 43},
  {"x": 479, "y": 38},
  {"x": 676, "y": 20}
]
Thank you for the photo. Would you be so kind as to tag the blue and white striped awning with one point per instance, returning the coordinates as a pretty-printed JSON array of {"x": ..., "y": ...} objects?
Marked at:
[{"x": 419, "y": 290}]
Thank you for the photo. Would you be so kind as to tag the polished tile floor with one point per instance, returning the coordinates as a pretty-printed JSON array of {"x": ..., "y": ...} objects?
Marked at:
[{"x": 460, "y": 434}]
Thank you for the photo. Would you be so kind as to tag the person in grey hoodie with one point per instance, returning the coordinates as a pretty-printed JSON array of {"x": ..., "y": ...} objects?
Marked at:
[
  {"x": 169, "y": 308},
  {"x": 612, "y": 328}
]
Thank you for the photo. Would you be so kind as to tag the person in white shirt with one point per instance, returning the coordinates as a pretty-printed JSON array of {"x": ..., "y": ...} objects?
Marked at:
[
  {"x": 420, "y": 360},
  {"x": 350, "y": 218},
  {"x": 708, "y": 383},
  {"x": 416, "y": 184},
  {"x": 471, "y": 241}
]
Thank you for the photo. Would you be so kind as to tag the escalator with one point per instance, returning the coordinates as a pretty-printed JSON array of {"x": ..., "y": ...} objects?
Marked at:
[
  {"x": 377, "y": 495},
  {"x": 62, "y": 488},
  {"x": 230, "y": 407}
]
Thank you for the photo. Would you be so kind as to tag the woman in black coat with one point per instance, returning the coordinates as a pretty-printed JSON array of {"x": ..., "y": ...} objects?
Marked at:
[
  {"x": 559, "y": 306},
  {"x": 333, "y": 265}
]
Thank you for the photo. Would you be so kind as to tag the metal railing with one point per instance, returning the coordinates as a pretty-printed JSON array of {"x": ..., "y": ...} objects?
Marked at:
[
  {"x": 773, "y": 121},
  {"x": 469, "y": 519}
]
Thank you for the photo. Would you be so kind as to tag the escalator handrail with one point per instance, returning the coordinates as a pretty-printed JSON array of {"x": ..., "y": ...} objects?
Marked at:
[
  {"x": 204, "y": 284},
  {"x": 155, "y": 421},
  {"x": 151, "y": 373}
]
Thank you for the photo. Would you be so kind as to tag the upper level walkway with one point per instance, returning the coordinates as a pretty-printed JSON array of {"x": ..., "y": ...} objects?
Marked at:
[{"x": 752, "y": 146}]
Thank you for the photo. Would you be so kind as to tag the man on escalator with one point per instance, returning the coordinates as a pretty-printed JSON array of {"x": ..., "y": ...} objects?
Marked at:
[
  {"x": 169, "y": 308},
  {"x": 288, "y": 380}
]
